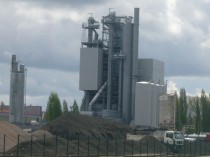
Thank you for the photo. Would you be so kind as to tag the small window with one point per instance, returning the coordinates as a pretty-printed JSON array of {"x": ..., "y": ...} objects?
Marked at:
[{"x": 169, "y": 135}]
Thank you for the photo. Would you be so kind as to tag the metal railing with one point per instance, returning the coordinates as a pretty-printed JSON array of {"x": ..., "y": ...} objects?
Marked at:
[{"x": 49, "y": 146}]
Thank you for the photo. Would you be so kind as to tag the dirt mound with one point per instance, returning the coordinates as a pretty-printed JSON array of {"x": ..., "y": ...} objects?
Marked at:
[
  {"x": 11, "y": 133},
  {"x": 73, "y": 124},
  {"x": 39, "y": 134},
  {"x": 38, "y": 147},
  {"x": 149, "y": 138}
]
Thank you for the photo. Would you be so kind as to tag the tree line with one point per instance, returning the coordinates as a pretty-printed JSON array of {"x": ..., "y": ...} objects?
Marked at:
[
  {"x": 55, "y": 109},
  {"x": 193, "y": 111}
]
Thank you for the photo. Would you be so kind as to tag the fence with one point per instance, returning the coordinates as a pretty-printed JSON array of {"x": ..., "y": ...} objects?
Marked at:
[{"x": 49, "y": 146}]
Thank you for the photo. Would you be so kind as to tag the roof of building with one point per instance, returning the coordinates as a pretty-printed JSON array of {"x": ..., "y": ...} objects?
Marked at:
[
  {"x": 33, "y": 110},
  {"x": 4, "y": 109}
]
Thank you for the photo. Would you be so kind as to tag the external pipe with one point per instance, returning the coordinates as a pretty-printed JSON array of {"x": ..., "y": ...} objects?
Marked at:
[
  {"x": 127, "y": 71},
  {"x": 109, "y": 81},
  {"x": 135, "y": 59},
  {"x": 97, "y": 95}
]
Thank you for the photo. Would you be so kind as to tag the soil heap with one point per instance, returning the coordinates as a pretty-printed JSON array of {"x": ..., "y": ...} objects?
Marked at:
[
  {"x": 73, "y": 124},
  {"x": 11, "y": 133}
]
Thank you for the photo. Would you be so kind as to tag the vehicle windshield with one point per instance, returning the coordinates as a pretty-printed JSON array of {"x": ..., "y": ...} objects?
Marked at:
[{"x": 178, "y": 135}]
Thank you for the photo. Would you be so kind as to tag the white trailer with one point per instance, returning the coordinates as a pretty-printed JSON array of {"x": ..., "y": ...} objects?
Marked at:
[{"x": 167, "y": 108}]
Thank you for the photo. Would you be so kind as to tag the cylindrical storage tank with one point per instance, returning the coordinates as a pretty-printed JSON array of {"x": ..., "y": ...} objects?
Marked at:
[
  {"x": 161, "y": 89},
  {"x": 13, "y": 97},
  {"x": 13, "y": 58},
  {"x": 20, "y": 96},
  {"x": 22, "y": 68},
  {"x": 135, "y": 58},
  {"x": 127, "y": 72},
  {"x": 143, "y": 104},
  {"x": 14, "y": 64},
  {"x": 17, "y": 92},
  {"x": 154, "y": 105},
  {"x": 147, "y": 104}
]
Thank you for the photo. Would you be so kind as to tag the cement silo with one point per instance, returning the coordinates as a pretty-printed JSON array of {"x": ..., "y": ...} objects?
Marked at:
[
  {"x": 143, "y": 104},
  {"x": 147, "y": 104},
  {"x": 17, "y": 91},
  {"x": 127, "y": 74}
]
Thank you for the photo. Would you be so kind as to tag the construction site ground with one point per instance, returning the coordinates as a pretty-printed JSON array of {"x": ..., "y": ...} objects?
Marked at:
[{"x": 76, "y": 135}]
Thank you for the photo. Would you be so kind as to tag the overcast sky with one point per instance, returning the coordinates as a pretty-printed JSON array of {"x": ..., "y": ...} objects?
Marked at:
[{"x": 46, "y": 37}]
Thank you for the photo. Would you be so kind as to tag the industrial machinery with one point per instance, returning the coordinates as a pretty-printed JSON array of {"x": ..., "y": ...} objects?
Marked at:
[{"x": 110, "y": 68}]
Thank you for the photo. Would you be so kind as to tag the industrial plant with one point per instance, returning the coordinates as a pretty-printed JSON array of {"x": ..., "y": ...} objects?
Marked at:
[
  {"x": 117, "y": 84},
  {"x": 17, "y": 91}
]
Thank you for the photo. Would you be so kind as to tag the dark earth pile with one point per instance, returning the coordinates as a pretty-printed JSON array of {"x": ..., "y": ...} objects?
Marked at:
[
  {"x": 97, "y": 137},
  {"x": 73, "y": 124}
]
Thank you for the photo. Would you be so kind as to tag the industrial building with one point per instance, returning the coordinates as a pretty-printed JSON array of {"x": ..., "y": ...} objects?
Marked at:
[
  {"x": 32, "y": 113},
  {"x": 116, "y": 84},
  {"x": 17, "y": 91}
]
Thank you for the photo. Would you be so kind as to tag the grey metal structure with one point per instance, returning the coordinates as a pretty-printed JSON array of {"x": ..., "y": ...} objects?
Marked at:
[
  {"x": 90, "y": 68},
  {"x": 17, "y": 92},
  {"x": 119, "y": 47},
  {"x": 110, "y": 68},
  {"x": 151, "y": 70}
]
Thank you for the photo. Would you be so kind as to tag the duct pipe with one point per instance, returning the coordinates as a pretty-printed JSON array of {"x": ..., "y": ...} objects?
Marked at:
[
  {"x": 90, "y": 30},
  {"x": 135, "y": 59},
  {"x": 109, "y": 80},
  {"x": 127, "y": 71},
  {"x": 97, "y": 95},
  {"x": 96, "y": 35}
]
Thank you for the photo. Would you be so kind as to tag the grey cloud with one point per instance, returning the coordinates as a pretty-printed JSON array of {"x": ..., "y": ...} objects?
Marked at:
[
  {"x": 51, "y": 46},
  {"x": 182, "y": 53},
  {"x": 187, "y": 13},
  {"x": 50, "y": 50},
  {"x": 193, "y": 85},
  {"x": 42, "y": 82},
  {"x": 181, "y": 59},
  {"x": 4, "y": 78},
  {"x": 54, "y": 4}
]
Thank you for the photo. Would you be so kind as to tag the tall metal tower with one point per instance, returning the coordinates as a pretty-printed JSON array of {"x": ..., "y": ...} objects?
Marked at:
[
  {"x": 109, "y": 66},
  {"x": 17, "y": 91}
]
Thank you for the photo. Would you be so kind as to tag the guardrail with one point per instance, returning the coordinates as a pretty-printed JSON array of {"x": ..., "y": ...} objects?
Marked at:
[{"x": 49, "y": 146}]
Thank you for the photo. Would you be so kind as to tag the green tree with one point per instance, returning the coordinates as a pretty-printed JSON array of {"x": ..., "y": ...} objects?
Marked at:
[
  {"x": 197, "y": 116},
  {"x": 191, "y": 109},
  {"x": 178, "y": 114},
  {"x": 53, "y": 107},
  {"x": 2, "y": 106},
  {"x": 65, "y": 107},
  {"x": 205, "y": 112},
  {"x": 74, "y": 107},
  {"x": 183, "y": 106}
]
